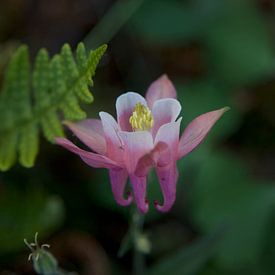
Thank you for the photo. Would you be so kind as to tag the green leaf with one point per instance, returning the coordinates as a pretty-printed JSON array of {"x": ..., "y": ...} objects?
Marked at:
[
  {"x": 34, "y": 99},
  {"x": 8, "y": 151},
  {"x": 41, "y": 79},
  {"x": 28, "y": 145}
]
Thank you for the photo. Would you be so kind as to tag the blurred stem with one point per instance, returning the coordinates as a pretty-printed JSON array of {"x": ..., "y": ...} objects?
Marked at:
[
  {"x": 138, "y": 254},
  {"x": 134, "y": 239},
  {"x": 112, "y": 22}
]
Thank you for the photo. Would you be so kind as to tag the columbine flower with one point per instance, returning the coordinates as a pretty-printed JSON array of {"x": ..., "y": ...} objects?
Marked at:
[{"x": 145, "y": 135}]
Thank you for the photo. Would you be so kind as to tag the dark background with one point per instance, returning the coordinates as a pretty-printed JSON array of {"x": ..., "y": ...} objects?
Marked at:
[{"x": 218, "y": 53}]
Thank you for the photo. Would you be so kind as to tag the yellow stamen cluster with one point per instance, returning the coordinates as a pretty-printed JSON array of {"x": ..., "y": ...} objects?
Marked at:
[{"x": 141, "y": 119}]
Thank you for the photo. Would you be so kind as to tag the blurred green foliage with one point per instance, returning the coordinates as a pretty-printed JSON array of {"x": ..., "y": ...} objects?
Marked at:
[
  {"x": 25, "y": 212},
  {"x": 189, "y": 260},
  {"x": 233, "y": 35},
  {"x": 224, "y": 194},
  {"x": 218, "y": 53}
]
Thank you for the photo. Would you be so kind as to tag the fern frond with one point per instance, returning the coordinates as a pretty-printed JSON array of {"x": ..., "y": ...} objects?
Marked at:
[{"x": 32, "y": 100}]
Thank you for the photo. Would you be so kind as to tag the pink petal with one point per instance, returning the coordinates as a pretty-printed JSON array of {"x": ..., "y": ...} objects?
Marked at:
[
  {"x": 118, "y": 178},
  {"x": 164, "y": 111},
  {"x": 169, "y": 134},
  {"x": 168, "y": 176},
  {"x": 139, "y": 185},
  {"x": 149, "y": 160},
  {"x": 197, "y": 130},
  {"x": 166, "y": 167},
  {"x": 135, "y": 145},
  {"x": 92, "y": 159},
  {"x": 125, "y": 105},
  {"x": 90, "y": 132},
  {"x": 160, "y": 88},
  {"x": 113, "y": 141}
]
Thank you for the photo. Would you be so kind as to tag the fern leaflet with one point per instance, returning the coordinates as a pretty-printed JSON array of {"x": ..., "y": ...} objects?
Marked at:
[{"x": 32, "y": 99}]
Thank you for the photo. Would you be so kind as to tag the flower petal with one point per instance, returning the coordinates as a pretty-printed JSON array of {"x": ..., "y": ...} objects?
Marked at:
[
  {"x": 168, "y": 176},
  {"x": 135, "y": 145},
  {"x": 113, "y": 141},
  {"x": 197, "y": 130},
  {"x": 164, "y": 111},
  {"x": 149, "y": 160},
  {"x": 166, "y": 166},
  {"x": 169, "y": 134},
  {"x": 90, "y": 132},
  {"x": 160, "y": 88},
  {"x": 125, "y": 105},
  {"x": 92, "y": 159},
  {"x": 118, "y": 178},
  {"x": 139, "y": 185}
]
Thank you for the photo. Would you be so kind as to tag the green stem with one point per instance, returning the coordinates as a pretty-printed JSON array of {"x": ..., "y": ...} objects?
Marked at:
[
  {"x": 135, "y": 240},
  {"x": 114, "y": 19},
  {"x": 138, "y": 254}
]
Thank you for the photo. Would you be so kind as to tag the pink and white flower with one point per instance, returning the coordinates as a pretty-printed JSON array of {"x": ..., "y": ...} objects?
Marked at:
[{"x": 145, "y": 135}]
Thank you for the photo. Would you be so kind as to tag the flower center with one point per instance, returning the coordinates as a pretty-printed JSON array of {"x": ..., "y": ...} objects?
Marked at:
[{"x": 141, "y": 119}]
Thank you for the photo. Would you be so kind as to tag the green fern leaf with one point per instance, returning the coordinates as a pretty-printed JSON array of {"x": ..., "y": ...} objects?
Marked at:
[
  {"x": 69, "y": 65},
  {"x": 92, "y": 62},
  {"x": 81, "y": 57},
  {"x": 28, "y": 145},
  {"x": 71, "y": 109},
  {"x": 34, "y": 100},
  {"x": 51, "y": 126},
  {"x": 8, "y": 151},
  {"x": 41, "y": 79}
]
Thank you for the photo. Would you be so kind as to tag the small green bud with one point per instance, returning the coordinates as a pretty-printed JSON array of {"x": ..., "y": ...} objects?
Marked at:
[
  {"x": 46, "y": 264},
  {"x": 43, "y": 261}
]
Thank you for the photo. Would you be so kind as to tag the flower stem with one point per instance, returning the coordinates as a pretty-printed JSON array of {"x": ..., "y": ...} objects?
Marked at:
[
  {"x": 136, "y": 240},
  {"x": 138, "y": 253}
]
